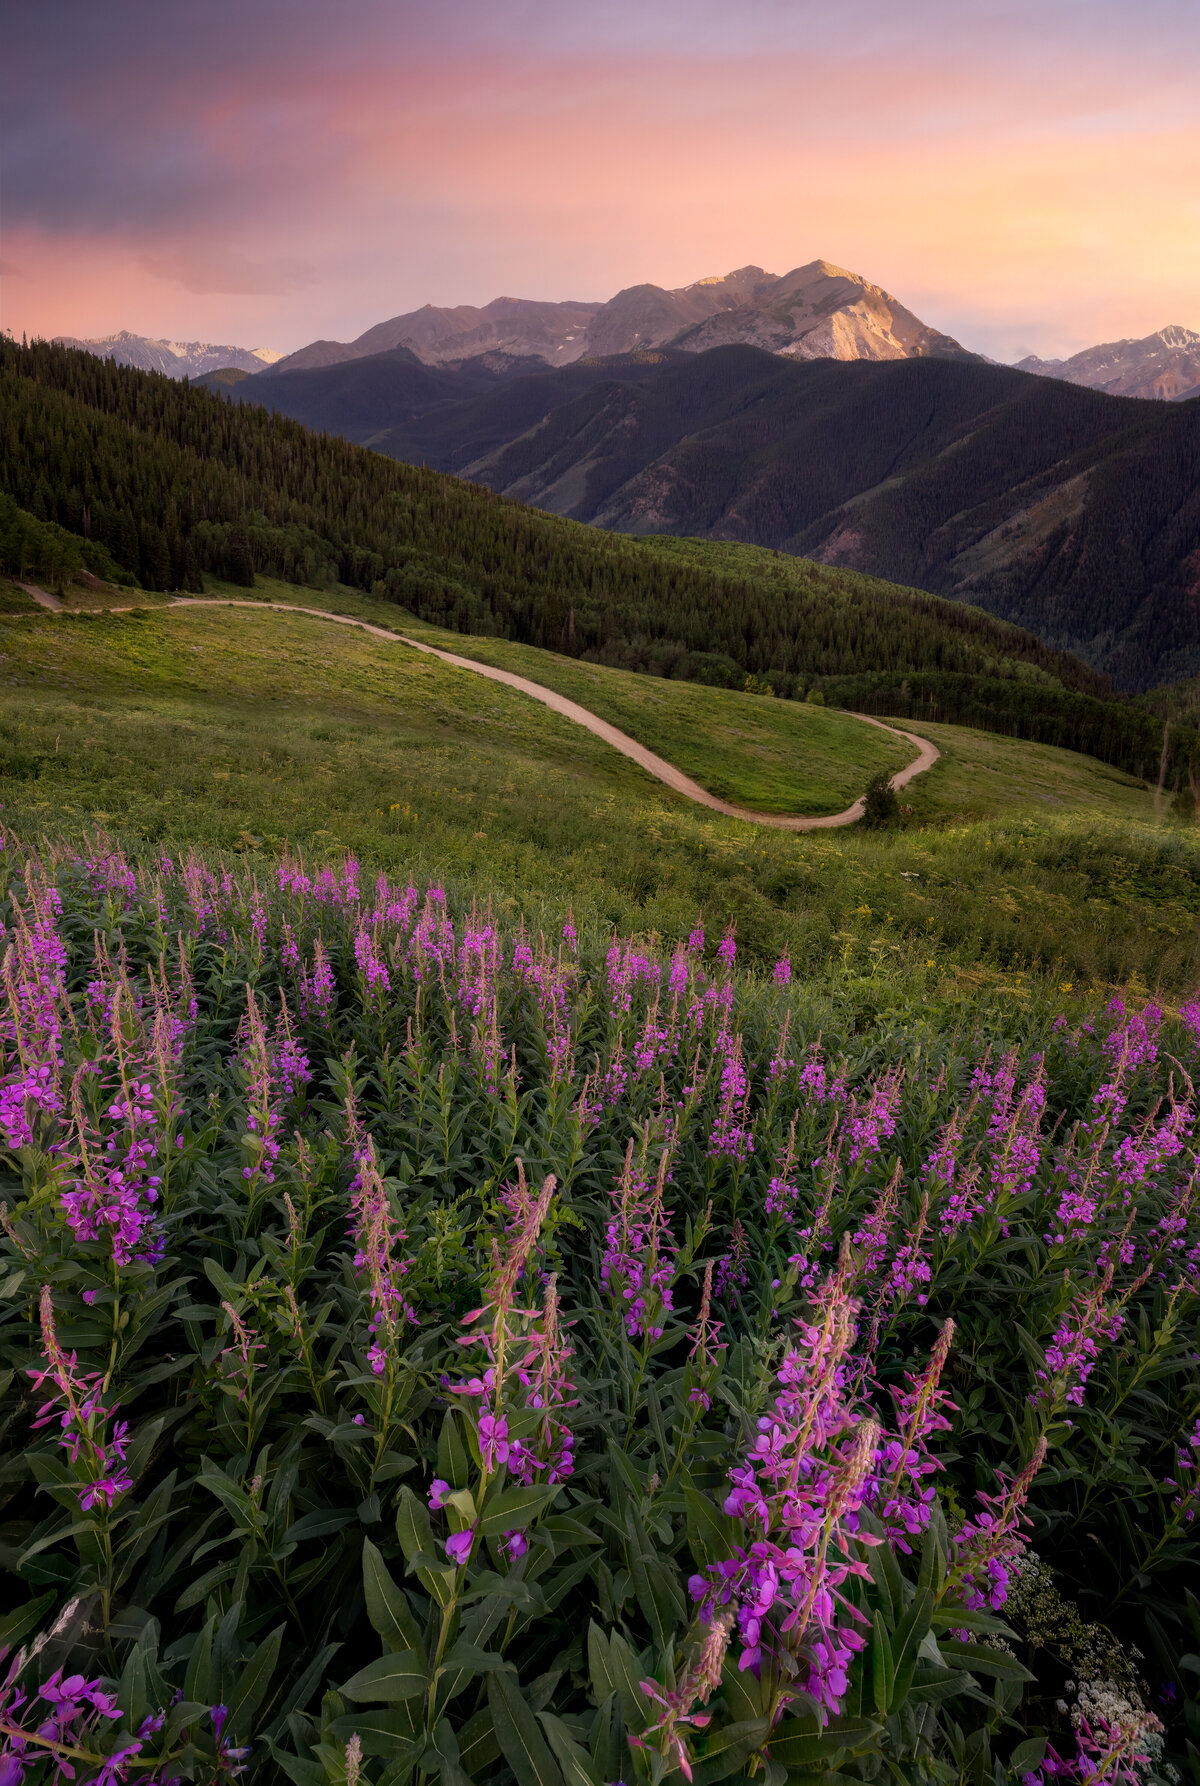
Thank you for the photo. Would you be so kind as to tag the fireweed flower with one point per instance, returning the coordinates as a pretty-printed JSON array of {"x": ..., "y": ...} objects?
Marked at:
[
  {"x": 731, "y": 1136},
  {"x": 96, "y": 1449},
  {"x": 1188, "y": 1498},
  {"x": 526, "y": 1355},
  {"x": 242, "y": 1353},
  {"x": 34, "y": 975},
  {"x": 704, "y": 1349},
  {"x": 371, "y": 965},
  {"x": 798, "y": 1494},
  {"x": 781, "y": 1191},
  {"x": 67, "y": 1719},
  {"x": 262, "y": 1107},
  {"x": 1133, "y": 1044},
  {"x": 459, "y": 1546},
  {"x": 993, "y": 1539},
  {"x": 1074, "y": 1349},
  {"x": 637, "y": 1268},
  {"x": 318, "y": 988},
  {"x": 116, "y": 1195},
  {"x": 910, "y": 1268},
  {"x": 377, "y": 1239},
  {"x": 732, "y": 1273},
  {"x": 781, "y": 1061},
  {"x": 783, "y": 971},
  {"x": 667, "y": 1732},
  {"x": 869, "y": 1125},
  {"x": 875, "y": 1235},
  {"x": 903, "y": 1500}
]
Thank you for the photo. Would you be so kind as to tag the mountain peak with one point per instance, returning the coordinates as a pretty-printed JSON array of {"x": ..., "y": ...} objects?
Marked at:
[
  {"x": 178, "y": 359},
  {"x": 1165, "y": 365},
  {"x": 817, "y": 311}
]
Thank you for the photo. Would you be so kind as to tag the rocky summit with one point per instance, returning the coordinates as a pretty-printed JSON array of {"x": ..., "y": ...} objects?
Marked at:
[
  {"x": 179, "y": 359},
  {"x": 817, "y": 311},
  {"x": 1165, "y": 365}
]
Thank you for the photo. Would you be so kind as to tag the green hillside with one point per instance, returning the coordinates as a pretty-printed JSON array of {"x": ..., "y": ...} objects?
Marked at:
[{"x": 246, "y": 733}]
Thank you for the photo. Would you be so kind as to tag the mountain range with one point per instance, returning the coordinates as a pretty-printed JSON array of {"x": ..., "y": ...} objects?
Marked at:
[
  {"x": 1069, "y": 511},
  {"x": 179, "y": 359},
  {"x": 1165, "y": 365},
  {"x": 817, "y": 311}
]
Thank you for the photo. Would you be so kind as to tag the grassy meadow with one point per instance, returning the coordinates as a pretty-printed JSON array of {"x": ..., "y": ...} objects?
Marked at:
[{"x": 245, "y": 733}]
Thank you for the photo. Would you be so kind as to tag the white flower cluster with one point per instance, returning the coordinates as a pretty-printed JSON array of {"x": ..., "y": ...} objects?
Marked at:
[
  {"x": 1109, "y": 1691},
  {"x": 1102, "y": 1702}
]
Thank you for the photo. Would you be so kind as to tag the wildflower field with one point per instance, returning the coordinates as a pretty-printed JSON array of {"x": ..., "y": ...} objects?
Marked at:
[{"x": 438, "y": 1351}]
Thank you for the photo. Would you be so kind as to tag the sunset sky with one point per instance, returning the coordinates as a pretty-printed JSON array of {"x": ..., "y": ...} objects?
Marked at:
[{"x": 1024, "y": 174}]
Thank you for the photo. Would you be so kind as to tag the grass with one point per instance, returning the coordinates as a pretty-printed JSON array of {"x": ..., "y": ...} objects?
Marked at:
[
  {"x": 243, "y": 733},
  {"x": 771, "y": 756},
  {"x": 981, "y": 775}
]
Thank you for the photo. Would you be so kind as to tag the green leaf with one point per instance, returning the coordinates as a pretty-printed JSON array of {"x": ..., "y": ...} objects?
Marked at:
[
  {"x": 979, "y": 1658},
  {"x": 197, "y": 1682},
  {"x": 575, "y": 1762},
  {"x": 416, "y": 1540},
  {"x": 401, "y": 1675},
  {"x": 477, "y": 1745},
  {"x": 710, "y": 1532},
  {"x": 514, "y": 1509},
  {"x": 318, "y": 1525},
  {"x": 795, "y": 1744},
  {"x": 907, "y": 1639},
  {"x": 471, "y": 1660},
  {"x": 1027, "y": 1755},
  {"x": 614, "y": 1669},
  {"x": 17, "y": 1624},
  {"x": 607, "y": 1744},
  {"x": 519, "y": 1734},
  {"x": 299, "y": 1771},
  {"x": 198, "y": 1591},
  {"x": 453, "y": 1459},
  {"x": 883, "y": 1668},
  {"x": 252, "y": 1686},
  {"x": 654, "y": 1584},
  {"x": 727, "y": 1751},
  {"x": 382, "y": 1732},
  {"x": 387, "y": 1604},
  {"x": 746, "y": 1695}
]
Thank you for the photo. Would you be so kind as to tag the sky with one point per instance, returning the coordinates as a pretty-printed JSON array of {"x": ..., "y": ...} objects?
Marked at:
[{"x": 1023, "y": 174}]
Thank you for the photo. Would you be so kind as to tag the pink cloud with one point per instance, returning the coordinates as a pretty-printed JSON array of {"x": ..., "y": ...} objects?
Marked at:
[{"x": 1022, "y": 203}]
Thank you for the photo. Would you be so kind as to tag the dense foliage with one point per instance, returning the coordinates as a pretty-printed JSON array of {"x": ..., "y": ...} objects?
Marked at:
[
  {"x": 441, "y": 1353},
  {"x": 33, "y": 548}
]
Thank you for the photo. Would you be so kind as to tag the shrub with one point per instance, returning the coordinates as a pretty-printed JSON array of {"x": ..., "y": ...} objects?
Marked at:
[{"x": 881, "y": 806}]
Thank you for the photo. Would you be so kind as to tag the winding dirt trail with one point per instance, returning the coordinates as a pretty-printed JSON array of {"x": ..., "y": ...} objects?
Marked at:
[{"x": 927, "y": 753}]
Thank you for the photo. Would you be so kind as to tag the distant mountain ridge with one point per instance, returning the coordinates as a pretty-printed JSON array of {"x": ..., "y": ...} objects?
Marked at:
[
  {"x": 1165, "y": 365},
  {"x": 817, "y": 311},
  {"x": 1072, "y": 512},
  {"x": 178, "y": 359}
]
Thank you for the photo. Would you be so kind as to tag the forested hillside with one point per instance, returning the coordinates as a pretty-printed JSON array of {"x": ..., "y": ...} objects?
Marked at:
[
  {"x": 1065, "y": 510},
  {"x": 174, "y": 483}
]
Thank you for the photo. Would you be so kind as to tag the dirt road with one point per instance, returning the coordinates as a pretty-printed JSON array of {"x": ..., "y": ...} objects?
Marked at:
[{"x": 927, "y": 754}]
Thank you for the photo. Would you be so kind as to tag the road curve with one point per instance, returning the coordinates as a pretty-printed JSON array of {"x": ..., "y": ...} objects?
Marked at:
[{"x": 927, "y": 753}]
